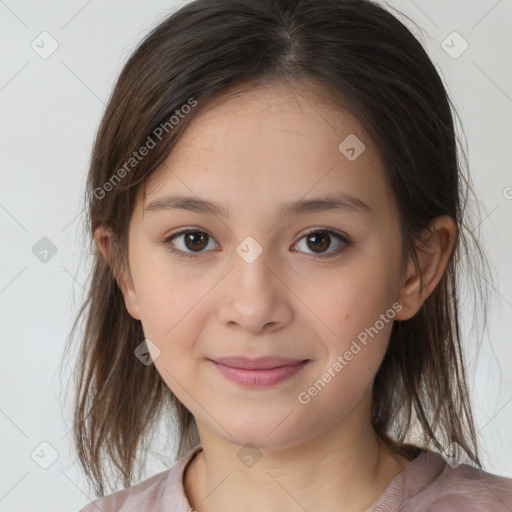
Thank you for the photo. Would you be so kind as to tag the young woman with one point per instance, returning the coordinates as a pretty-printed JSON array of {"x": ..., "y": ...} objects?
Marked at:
[{"x": 277, "y": 203}]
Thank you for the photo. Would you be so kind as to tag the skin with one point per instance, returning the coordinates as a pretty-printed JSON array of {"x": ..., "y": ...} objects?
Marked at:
[{"x": 251, "y": 153}]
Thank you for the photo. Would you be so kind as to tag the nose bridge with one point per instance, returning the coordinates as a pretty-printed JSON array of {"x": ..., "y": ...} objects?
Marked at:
[
  {"x": 252, "y": 294},
  {"x": 252, "y": 265},
  {"x": 254, "y": 298}
]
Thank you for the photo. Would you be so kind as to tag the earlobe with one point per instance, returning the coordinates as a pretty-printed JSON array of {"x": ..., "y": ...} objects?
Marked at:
[
  {"x": 433, "y": 256},
  {"x": 105, "y": 241}
]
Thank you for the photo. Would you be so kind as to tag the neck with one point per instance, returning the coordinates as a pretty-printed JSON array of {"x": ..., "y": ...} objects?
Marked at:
[{"x": 346, "y": 464}]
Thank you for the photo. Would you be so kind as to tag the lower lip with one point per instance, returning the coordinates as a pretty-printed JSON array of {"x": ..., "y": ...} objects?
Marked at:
[{"x": 260, "y": 378}]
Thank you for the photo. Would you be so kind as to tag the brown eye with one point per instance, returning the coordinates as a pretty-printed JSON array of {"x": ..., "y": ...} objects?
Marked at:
[
  {"x": 320, "y": 240},
  {"x": 193, "y": 241}
]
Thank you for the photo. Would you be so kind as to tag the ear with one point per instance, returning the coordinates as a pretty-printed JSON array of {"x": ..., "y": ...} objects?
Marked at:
[
  {"x": 433, "y": 256},
  {"x": 105, "y": 240}
]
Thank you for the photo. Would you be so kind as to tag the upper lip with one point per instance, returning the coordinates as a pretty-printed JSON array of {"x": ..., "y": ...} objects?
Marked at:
[{"x": 260, "y": 363}]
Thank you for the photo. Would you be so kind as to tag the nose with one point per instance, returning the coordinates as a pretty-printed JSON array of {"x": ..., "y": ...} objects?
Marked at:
[{"x": 255, "y": 297}]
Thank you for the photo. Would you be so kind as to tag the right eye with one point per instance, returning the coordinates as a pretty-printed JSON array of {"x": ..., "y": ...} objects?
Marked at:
[{"x": 192, "y": 239}]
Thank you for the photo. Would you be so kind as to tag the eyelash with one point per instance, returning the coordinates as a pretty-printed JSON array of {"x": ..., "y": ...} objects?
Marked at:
[{"x": 347, "y": 243}]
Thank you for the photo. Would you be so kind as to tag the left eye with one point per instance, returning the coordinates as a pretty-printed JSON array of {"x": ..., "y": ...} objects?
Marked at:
[
  {"x": 321, "y": 239},
  {"x": 195, "y": 241}
]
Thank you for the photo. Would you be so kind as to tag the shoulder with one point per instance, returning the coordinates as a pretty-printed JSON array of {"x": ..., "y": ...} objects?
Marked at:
[
  {"x": 142, "y": 496},
  {"x": 449, "y": 488},
  {"x": 162, "y": 492}
]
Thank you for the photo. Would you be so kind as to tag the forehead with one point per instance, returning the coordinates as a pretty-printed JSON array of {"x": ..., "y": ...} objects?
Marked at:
[
  {"x": 275, "y": 142},
  {"x": 301, "y": 114}
]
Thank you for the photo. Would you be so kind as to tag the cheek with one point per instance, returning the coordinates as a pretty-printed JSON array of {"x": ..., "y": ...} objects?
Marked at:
[
  {"x": 174, "y": 310},
  {"x": 357, "y": 295},
  {"x": 166, "y": 292},
  {"x": 356, "y": 306}
]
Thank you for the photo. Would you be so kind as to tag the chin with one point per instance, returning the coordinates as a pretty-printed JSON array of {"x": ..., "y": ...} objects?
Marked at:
[{"x": 264, "y": 437}]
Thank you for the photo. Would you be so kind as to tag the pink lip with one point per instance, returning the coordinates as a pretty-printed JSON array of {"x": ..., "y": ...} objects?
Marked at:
[
  {"x": 258, "y": 363},
  {"x": 265, "y": 371}
]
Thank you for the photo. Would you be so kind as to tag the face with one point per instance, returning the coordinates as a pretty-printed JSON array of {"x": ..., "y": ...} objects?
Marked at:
[{"x": 256, "y": 280}]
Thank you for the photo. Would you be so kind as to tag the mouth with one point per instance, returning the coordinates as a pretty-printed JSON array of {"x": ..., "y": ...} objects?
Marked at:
[
  {"x": 260, "y": 363},
  {"x": 262, "y": 372}
]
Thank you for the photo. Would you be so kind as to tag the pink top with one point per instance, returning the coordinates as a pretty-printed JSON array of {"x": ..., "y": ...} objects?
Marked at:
[{"x": 427, "y": 484}]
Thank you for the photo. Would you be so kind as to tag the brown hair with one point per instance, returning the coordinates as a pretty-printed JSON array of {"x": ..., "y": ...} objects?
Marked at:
[{"x": 374, "y": 67}]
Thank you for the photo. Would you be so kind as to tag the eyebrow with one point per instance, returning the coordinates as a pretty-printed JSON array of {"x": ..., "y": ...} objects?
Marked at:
[{"x": 340, "y": 201}]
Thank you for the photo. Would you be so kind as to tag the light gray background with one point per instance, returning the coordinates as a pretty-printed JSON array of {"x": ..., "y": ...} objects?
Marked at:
[{"x": 50, "y": 111}]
